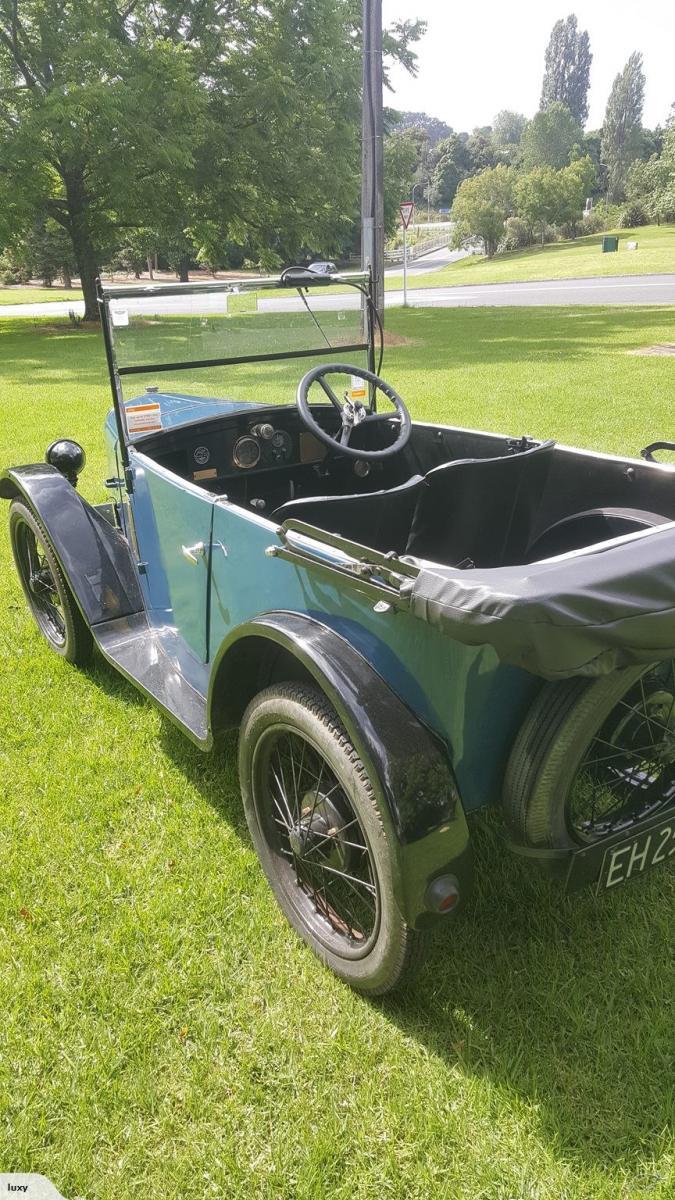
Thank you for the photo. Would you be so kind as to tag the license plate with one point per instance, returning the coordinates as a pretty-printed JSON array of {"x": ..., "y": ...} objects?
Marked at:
[{"x": 637, "y": 854}]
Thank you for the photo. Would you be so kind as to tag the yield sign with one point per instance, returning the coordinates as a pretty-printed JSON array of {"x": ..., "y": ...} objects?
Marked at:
[{"x": 407, "y": 209}]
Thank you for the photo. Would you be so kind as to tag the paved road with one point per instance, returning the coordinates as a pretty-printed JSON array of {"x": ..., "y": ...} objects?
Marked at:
[
  {"x": 636, "y": 289},
  {"x": 429, "y": 262}
]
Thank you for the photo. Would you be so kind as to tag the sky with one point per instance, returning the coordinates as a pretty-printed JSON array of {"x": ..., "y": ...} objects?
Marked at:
[{"x": 479, "y": 58}]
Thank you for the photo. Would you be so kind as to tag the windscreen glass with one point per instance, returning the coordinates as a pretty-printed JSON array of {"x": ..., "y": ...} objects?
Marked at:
[{"x": 269, "y": 338}]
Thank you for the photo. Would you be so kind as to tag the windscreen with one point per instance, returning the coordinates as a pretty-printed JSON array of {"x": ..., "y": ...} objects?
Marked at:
[{"x": 249, "y": 345}]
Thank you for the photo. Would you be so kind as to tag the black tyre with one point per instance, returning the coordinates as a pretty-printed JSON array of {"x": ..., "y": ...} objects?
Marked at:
[
  {"x": 48, "y": 595},
  {"x": 314, "y": 822},
  {"x": 593, "y": 757}
]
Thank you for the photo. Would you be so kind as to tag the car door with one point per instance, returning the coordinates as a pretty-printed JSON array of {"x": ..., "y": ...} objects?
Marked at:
[{"x": 173, "y": 524}]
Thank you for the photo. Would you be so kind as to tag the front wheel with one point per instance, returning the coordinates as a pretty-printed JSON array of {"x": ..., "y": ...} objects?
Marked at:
[
  {"x": 45, "y": 588},
  {"x": 593, "y": 758},
  {"x": 312, "y": 815}
]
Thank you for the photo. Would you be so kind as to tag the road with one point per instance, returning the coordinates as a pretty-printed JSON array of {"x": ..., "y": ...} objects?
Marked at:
[
  {"x": 635, "y": 289},
  {"x": 429, "y": 262}
]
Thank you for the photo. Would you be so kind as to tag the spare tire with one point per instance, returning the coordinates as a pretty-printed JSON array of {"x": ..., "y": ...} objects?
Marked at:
[
  {"x": 588, "y": 527},
  {"x": 592, "y": 758}
]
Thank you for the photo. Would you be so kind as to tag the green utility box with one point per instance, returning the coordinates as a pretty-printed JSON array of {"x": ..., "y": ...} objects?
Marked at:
[{"x": 610, "y": 244}]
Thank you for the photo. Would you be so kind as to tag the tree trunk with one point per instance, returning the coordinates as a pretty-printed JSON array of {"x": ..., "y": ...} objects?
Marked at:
[
  {"x": 150, "y": 267},
  {"x": 184, "y": 269},
  {"x": 65, "y": 275},
  {"x": 83, "y": 246}
]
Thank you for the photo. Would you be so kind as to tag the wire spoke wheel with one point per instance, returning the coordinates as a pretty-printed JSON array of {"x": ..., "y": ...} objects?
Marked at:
[
  {"x": 312, "y": 828},
  {"x": 45, "y": 587},
  {"x": 39, "y": 582},
  {"x": 593, "y": 757},
  {"x": 628, "y": 771},
  {"x": 317, "y": 826}
]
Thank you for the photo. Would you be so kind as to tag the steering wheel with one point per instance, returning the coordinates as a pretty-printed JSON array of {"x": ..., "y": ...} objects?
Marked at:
[{"x": 353, "y": 412}]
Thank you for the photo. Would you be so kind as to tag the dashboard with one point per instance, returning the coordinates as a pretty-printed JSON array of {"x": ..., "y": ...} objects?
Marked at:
[{"x": 262, "y": 457}]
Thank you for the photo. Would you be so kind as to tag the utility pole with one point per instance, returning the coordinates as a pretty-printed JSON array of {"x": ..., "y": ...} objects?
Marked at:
[{"x": 372, "y": 191}]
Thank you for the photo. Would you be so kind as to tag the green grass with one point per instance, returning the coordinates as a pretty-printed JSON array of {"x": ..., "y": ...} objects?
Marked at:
[
  {"x": 37, "y": 295},
  {"x": 579, "y": 259},
  {"x": 164, "y": 1032}
]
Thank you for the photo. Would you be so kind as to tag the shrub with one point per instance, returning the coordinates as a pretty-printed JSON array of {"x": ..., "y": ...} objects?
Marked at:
[
  {"x": 603, "y": 216},
  {"x": 632, "y": 214},
  {"x": 517, "y": 234}
]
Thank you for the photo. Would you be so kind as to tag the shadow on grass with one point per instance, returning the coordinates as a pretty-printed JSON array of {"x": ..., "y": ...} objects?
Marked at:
[{"x": 560, "y": 1002}]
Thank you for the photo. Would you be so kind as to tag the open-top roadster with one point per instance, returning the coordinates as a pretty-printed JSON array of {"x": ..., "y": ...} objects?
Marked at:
[{"x": 407, "y": 621}]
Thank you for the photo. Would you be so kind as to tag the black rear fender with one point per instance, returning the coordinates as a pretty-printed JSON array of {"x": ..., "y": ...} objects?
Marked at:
[
  {"x": 93, "y": 554},
  {"x": 417, "y": 795}
]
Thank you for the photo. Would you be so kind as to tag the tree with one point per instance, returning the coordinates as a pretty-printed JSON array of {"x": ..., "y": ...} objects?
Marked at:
[
  {"x": 482, "y": 205},
  {"x": 536, "y": 199},
  {"x": 622, "y": 130},
  {"x": 576, "y": 183},
  {"x": 568, "y": 68},
  {"x": 181, "y": 115},
  {"x": 652, "y": 184},
  {"x": 400, "y": 164},
  {"x": 551, "y": 137},
  {"x": 508, "y": 128}
]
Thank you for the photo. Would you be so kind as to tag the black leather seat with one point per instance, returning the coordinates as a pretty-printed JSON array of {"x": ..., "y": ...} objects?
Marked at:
[
  {"x": 378, "y": 519},
  {"x": 480, "y": 511}
]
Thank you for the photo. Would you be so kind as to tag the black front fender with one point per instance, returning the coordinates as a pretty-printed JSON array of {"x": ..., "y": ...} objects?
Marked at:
[
  {"x": 94, "y": 556},
  {"x": 416, "y": 791}
]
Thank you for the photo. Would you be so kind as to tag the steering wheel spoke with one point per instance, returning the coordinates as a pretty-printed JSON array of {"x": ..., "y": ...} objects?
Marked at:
[
  {"x": 330, "y": 393},
  {"x": 353, "y": 413}
]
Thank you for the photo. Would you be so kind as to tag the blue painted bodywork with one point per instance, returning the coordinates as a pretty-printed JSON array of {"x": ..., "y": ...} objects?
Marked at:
[{"x": 463, "y": 694}]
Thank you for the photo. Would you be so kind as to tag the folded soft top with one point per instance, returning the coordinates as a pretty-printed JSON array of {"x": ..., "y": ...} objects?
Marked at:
[{"x": 586, "y": 613}]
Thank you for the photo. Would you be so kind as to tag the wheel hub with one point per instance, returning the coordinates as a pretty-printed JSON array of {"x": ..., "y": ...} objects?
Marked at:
[{"x": 318, "y": 833}]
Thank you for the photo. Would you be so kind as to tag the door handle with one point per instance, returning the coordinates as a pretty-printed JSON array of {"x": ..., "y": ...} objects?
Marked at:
[{"x": 194, "y": 553}]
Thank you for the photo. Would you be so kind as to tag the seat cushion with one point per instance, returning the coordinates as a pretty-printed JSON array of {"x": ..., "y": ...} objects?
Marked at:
[{"x": 378, "y": 519}]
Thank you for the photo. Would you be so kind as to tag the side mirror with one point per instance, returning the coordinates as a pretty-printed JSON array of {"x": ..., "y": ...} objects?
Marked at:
[{"x": 68, "y": 457}]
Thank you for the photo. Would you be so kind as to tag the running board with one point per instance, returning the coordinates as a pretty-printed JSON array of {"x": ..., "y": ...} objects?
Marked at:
[{"x": 149, "y": 658}]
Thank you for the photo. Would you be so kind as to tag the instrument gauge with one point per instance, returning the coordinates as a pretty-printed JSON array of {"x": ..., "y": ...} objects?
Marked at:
[
  {"x": 246, "y": 453},
  {"x": 281, "y": 446}
]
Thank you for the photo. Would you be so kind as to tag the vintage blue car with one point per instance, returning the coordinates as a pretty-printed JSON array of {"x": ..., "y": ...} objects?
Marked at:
[{"x": 407, "y": 622}]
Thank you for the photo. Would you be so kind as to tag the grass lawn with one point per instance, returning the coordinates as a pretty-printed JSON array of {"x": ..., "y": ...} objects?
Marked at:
[
  {"x": 37, "y": 295},
  {"x": 162, "y": 1028},
  {"x": 563, "y": 260}
]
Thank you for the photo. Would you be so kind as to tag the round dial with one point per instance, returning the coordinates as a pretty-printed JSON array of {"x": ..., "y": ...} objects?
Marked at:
[
  {"x": 201, "y": 455},
  {"x": 246, "y": 452},
  {"x": 280, "y": 446}
]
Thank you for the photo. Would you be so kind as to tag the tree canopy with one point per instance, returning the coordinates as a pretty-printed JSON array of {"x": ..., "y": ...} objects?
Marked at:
[
  {"x": 622, "y": 130},
  {"x": 550, "y": 137},
  {"x": 568, "y": 69},
  {"x": 195, "y": 120}
]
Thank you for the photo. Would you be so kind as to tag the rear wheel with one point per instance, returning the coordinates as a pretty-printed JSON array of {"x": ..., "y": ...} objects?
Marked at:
[
  {"x": 312, "y": 814},
  {"x": 593, "y": 758},
  {"x": 46, "y": 590}
]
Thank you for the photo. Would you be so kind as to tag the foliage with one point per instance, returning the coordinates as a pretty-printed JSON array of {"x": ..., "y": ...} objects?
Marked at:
[
  {"x": 11, "y": 270},
  {"x": 568, "y": 66},
  {"x": 551, "y": 137},
  {"x": 622, "y": 130},
  {"x": 185, "y": 117},
  {"x": 651, "y": 184},
  {"x": 517, "y": 234},
  {"x": 508, "y": 128},
  {"x": 536, "y": 197},
  {"x": 482, "y": 205},
  {"x": 400, "y": 165},
  {"x": 433, "y": 130},
  {"x": 452, "y": 164}
]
